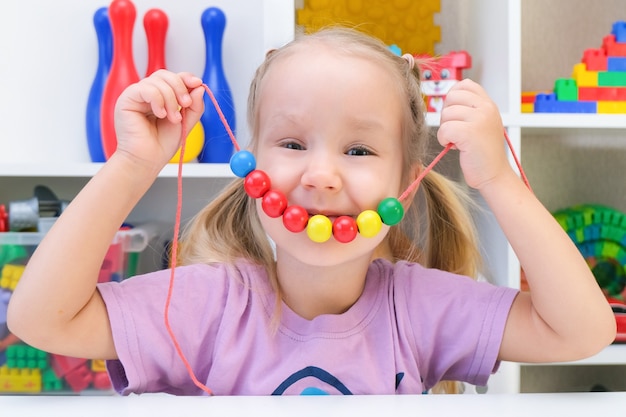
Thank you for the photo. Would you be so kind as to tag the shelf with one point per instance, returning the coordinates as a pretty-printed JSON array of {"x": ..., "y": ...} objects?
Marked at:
[
  {"x": 81, "y": 170},
  {"x": 570, "y": 121},
  {"x": 612, "y": 355},
  {"x": 432, "y": 119}
]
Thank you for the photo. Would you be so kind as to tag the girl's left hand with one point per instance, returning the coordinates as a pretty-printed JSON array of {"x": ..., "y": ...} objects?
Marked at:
[{"x": 471, "y": 121}]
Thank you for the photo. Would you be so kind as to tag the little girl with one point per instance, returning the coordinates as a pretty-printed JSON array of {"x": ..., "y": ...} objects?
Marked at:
[{"x": 260, "y": 307}]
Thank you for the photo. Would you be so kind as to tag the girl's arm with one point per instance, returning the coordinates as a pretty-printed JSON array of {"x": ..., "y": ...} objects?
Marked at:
[
  {"x": 565, "y": 316},
  {"x": 56, "y": 306}
]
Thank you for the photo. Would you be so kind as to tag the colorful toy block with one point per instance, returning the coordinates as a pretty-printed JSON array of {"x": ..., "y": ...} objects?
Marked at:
[
  {"x": 619, "y": 31},
  {"x": 73, "y": 370},
  {"x": 616, "y": 63},
  {"x": 595, "y": 59},
  {"x": 51, "y": 382},
  {"x": 4, "y": 219},
  {"x": 613, "y": 47},
  {"x": 602, "y": 93},
  {"x": 612, "y": 79},
  {"x": 597, "y": 84},
  {"x": 548, "y": 103},
  {"x": 599, "y": 233},
  {"x": 566, "y": 89},
  {"x": 101, "y": 381},
  {"x": 20, "y": 381},
  {"x": 11, "y": 274},
  {"x": 408, "y": 24},
  {"x": 24, "y": 356},
  {"x": 583, "y": 77},
  {"x": 98, "y": 366},
  {"x": 611, "y": 107}
]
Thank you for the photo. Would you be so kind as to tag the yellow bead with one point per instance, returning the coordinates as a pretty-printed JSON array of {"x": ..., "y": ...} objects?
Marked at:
[
  {"x": 369, "y": 223},
  {"x": 319, "y": 229}
]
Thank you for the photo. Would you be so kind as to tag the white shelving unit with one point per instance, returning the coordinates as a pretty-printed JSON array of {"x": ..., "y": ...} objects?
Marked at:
[
  {"x": 47, "y": 66},
  {"x": 525, "y": 45}
]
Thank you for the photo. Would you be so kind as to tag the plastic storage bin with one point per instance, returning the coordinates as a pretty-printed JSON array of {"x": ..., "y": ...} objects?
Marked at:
[{"x": 26, "y": 370}]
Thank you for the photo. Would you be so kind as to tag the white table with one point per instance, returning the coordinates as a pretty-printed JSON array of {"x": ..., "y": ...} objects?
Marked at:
[{"x": 158, "y": 405}]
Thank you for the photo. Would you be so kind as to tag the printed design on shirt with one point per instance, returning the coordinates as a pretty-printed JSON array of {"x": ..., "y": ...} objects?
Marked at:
[
  {"x": 315, "y": 373},
  {"x": 319, "y": 374},
  {"x": 399, "y": 377}
]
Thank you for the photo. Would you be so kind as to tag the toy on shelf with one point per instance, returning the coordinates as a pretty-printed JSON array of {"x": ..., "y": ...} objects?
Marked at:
[
  {"x": 597, "y": 83},
  {"x": 116, "y": 70},
  {"x": 36, "y": 213},
  {"x": 122, "y": 73},
  {"x": 439, "y": 74},
  {"x": 155, "y": 23},
  {"x": 599, "y": 233},
  {"x": 218, "y": 147},
  {"x": 102, "y": 26},
  {"x": 408, "y": 24}
]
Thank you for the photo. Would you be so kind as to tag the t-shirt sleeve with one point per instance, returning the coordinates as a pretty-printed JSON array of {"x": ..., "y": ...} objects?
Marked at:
[
  {"x": 147, "y": 359},
  {"x": 457, "y": 323}
]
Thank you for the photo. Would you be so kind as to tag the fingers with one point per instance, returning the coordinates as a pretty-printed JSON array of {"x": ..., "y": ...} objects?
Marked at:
[
  {"x": 462, "y": 98},
  {"x": 468, "y": 110},
  {"x": 166, "y": 93}
]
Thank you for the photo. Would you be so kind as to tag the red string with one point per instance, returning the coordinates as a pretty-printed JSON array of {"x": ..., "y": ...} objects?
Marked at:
[
  {"x": 413, "y": 186},
  {"x": 174, "y": 256},
  {"x": 425, "y": 171},
  {"x": 179, "y": 203}
]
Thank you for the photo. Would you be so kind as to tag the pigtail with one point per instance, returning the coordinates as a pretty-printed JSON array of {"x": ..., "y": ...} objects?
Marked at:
[
  {"x": 225, "y": 230},
  {"x": 451, "y": 243}
]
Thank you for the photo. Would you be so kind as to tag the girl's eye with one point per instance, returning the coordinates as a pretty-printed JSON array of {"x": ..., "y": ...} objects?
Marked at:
[
  {"x": 359, "y": 151},
  {"x": 293, "y": 145}
]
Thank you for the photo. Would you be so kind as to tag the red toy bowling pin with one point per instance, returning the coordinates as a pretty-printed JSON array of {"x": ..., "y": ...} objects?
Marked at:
[
  {"x": 155, "y": 23},
  {"x": 217, "y": 144},
  {"x": 122, "y": 15}
]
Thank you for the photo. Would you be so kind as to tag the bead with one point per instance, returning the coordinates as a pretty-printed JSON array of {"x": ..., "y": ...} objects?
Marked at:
[
  {"x": 390, "y": 211},
  {"x": 257, "y": 183},
  {"x": 242, "y": 163},
  {"x": 274, "y": 203},
  {"x": 344, "y": 229},
  {"x": 319, "y": 228},
  {"x": 295, "y": 218},
  {"x": 369, "y": 223}
]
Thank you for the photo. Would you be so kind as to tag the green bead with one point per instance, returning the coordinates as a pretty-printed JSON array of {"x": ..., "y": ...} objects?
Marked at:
[{"x": 391, "y": 211}]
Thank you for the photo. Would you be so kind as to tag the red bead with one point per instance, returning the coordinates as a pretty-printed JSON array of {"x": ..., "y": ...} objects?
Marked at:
[
  {"x": 295, "y": 218},
  {"x": 274, "y": 203},
  {"x": 257, "y": 183},
  {"x": 344, "y": 229}
]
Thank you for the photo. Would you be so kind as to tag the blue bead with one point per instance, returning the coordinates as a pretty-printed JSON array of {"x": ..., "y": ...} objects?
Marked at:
[{"x": 242, "y": 163}]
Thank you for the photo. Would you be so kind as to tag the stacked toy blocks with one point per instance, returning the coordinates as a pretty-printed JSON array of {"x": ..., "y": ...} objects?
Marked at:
[
  {"x": 31, "y": 371},
  {"x": 597, "y": 84},
  {"x": 409, "y": 24}
]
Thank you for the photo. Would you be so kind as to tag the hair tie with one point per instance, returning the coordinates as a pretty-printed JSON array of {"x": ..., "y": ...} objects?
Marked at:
[{"x": 410, "y": 59}]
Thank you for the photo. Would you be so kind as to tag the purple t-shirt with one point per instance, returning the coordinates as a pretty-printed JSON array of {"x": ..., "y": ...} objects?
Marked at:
[{"x": 411, "y": 328}]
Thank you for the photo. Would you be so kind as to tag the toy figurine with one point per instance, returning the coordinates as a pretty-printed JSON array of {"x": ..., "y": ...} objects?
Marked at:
[{"x": 439, "y": 74}]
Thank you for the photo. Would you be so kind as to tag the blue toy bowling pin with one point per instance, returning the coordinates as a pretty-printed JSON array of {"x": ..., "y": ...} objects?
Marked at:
[
  {"x": 217, "y": 147},
  {"x": 105, "y": 56}
]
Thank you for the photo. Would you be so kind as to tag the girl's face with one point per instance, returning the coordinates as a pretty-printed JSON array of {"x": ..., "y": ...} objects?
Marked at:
[{"x": 329, "y": 137}]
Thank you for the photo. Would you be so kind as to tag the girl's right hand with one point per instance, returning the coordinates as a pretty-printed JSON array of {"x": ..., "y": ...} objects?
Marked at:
[{"x": 148, "y": 118}]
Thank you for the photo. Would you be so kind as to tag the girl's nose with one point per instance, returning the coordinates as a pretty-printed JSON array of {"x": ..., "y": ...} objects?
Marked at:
[{"x": 321, "y": 172}]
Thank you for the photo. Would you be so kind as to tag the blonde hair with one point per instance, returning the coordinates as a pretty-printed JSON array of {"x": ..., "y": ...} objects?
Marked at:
[{"x": 228, "y": 228}]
